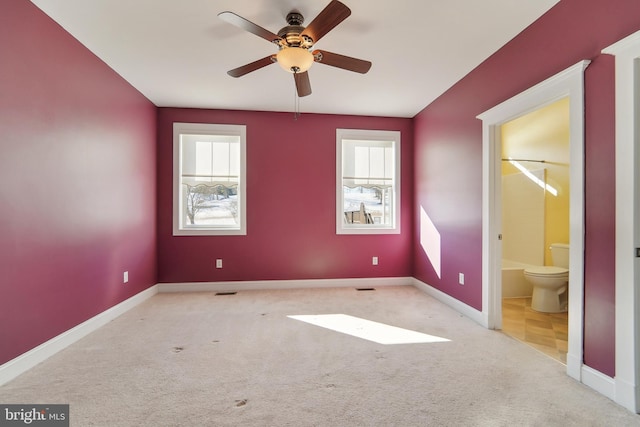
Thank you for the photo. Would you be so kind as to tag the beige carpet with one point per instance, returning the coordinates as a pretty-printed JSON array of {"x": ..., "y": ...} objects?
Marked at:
[{"x": 204, "y": 360}]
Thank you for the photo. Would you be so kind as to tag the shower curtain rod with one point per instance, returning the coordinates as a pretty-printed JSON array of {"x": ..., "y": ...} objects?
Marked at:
[{"x": 523, "y": 160}]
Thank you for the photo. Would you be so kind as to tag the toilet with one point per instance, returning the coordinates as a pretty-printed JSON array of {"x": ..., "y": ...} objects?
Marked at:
[{"x": 550, "y": 283}]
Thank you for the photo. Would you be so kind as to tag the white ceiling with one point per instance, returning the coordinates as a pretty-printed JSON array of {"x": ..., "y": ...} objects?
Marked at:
[{"x": 177, "y": 53}]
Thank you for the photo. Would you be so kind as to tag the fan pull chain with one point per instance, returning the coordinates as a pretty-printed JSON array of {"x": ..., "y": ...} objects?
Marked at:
[{"x": 296, "y": 103}]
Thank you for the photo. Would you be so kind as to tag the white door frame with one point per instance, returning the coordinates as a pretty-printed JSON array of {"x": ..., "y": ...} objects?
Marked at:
[
  {"x": 568, "y": 83},
  {"x": 627, "y": 378}
]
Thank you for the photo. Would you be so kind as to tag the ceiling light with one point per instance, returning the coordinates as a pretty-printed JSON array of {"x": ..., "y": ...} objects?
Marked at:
[{"x": 295, "y": 59}]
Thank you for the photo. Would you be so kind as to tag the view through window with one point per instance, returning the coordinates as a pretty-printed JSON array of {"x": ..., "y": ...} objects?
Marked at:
[
  {"x": 209, "y": 179},
  {"x": 368, "y": 181}
]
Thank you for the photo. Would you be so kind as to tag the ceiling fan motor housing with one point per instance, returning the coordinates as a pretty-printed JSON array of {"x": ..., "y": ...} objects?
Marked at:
[
  {"x": 295, "y": 18},
  {"x": 291, "y": 34}
]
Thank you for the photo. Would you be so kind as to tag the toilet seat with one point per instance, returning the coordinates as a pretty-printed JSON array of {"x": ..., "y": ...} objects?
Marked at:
[{"x": 546, "y": 271}]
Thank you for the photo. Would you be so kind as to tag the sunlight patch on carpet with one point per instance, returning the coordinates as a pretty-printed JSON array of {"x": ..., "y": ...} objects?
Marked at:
[{"x": 367, "y": 329}]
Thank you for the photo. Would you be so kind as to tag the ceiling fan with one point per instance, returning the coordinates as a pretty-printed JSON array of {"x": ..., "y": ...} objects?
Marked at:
[{"x": 295, "y": 42}]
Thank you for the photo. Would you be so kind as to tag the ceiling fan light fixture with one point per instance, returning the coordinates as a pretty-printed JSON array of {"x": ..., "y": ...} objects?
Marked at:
[{"x": 295, "y": 59}]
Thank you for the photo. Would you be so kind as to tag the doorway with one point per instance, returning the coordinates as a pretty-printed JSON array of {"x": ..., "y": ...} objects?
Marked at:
[
  {"x": 535, "y": 224},
  {"x": 566, "y": 84}
]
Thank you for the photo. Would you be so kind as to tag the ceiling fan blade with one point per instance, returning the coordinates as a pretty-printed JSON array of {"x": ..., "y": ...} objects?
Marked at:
[
  {"x": 249, "y": 26},
  {"x": 332, "y": 15},
  {"x": 303, "y": 85},
  {"x": 345, "y": 62},
  {"x": 255, "y": 65}
]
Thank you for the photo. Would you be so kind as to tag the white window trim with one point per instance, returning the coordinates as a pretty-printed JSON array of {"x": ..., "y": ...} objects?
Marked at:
[
  {"x": 209, "y": 129},
  {"x": 368, "y": 135}
]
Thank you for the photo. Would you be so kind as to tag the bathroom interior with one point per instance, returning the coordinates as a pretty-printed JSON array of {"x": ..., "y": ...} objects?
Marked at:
[{"x": 535, "y": 228}]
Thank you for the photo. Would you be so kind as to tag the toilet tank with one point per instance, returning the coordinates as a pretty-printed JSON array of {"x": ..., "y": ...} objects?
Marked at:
[{"x": 560, "y": 254}]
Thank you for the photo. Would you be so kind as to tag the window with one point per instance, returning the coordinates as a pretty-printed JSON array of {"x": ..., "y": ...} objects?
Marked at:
[
  {"x": 209, "y": 193},
  {"x": 367, "y": 182}
]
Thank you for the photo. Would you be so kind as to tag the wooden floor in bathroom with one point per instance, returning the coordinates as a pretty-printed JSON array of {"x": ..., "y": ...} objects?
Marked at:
[{"x": 547, "y": 332}]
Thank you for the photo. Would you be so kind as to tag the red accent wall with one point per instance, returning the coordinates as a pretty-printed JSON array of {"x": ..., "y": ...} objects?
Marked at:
[
  {"x": 448, "y": 150},
  {"x": 290, "y": 204},
  {"x": 77, "y": 182},
  {"x": 600, "y": 199}
]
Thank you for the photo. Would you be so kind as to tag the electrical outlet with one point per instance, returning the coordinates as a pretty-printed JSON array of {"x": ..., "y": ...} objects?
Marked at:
[
  {"x": 374, "y": 260},
  {"x": 219, "y": 263},
  {"x": 461, "y": 278},
  {"x": 125, "y": 277}
]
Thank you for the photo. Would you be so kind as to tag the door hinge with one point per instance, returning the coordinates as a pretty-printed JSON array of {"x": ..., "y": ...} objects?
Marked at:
[{"x": 637, "y": 252}]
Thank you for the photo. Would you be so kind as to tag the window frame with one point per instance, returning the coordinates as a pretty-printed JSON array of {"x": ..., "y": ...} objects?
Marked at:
[
  {"x": 180, "y": 129},
  {"x": 368, "y": 135}
]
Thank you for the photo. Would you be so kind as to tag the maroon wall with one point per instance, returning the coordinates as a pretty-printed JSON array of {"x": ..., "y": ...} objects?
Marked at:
[
  {"x": 448, "y": 167},
  {"x": 291, "y": 204},
  {"x": 600, "y": 253},
  {"x": 77, "y": 182}
]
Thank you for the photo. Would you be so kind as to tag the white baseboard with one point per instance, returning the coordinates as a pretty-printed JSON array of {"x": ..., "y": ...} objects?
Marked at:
[
  {"x": 626, "y": 393},
  {"x": 598, "y": 381},
  {"x": 459, "y": 306},
  {"x": 31, "y": 358},
  {"x": 283, "y": 284},
  {"x": 574, "y": 367}
]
